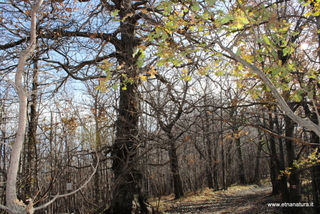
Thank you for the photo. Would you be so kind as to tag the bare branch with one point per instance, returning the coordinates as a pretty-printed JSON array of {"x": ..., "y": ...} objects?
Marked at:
[
  {"x": 73, "y": 192},
  {"x": 6, "y": 208},
  {"x": 6, "y": 144}
]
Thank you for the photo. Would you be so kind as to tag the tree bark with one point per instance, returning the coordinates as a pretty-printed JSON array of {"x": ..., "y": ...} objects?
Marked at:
[
  {"x": 294, "y": 177},
  {"x": 241, "y": 170},
  {"x": 127, "y": 197},
  {"x": 315, "y": 170},
  {"x": 228, "y": 163},
  {"x": 12, "y": 201},
  {"x": 274, "y": 161},
  {"x": 207, "y": 139},
  {"x": 177, "y": 184},
  {"x": 31, "y": 144},
  {"x": 257, "y": 173}
]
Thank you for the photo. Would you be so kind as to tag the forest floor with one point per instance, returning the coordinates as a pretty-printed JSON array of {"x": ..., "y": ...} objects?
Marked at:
[{"x": 249, "y": 199}]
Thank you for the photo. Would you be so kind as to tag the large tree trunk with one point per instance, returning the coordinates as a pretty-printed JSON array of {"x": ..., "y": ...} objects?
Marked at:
[
  {"x": 11, "y": 184},
  {"x": 282, "y": 181},
  {"x": 215, "y": 168},
  {"x": 207, "y": 139},
  {"x": 241, "y": 170},
  {"x": 31, "y": 144},
  {"x": 315, "y": 172},
  {"x": 228, "y": 163},
  {"x": 257, "y": 173},
  {"x": 274, "y": 161},
  {"x": 177, "y": 183},
  {"x": 294, "y": 177},
  {"x": 316, "y": 188},
  {"x": 127, "y": 197}
]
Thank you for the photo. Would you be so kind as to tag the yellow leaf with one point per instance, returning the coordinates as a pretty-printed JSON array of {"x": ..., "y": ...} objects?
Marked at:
[
  {"x": 144, "y": 78},
  {"x": 153, "y": 72},
  {"x": 240, "y": 21}
]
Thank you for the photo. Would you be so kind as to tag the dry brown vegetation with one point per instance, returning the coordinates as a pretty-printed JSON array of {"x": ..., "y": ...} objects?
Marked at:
[{"x": 248, "y": 199}]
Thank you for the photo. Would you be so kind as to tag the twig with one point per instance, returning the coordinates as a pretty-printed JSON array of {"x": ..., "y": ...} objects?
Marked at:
[
  {"x": 73, "y": 192},
  {"x": 6, "y": 208},
  {"x": 5, "y": 144}
]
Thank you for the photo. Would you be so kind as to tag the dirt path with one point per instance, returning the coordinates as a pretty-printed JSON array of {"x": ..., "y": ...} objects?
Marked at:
[{"x": 250, "y": 200}]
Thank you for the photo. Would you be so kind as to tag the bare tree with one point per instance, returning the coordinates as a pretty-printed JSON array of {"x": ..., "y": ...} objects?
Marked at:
[{"x": 12, "y": 202}]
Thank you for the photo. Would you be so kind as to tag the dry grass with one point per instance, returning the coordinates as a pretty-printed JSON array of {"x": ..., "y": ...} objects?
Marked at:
[{"x": 200, "y": 196}]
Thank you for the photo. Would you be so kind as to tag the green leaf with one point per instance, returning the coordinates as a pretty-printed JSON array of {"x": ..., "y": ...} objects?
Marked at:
[
  {"x": 167, "y": 9},
  {"x": 240, "y": 21},
  {"x": 220, "y": 73},
  {"x": 186, "y": 77},
  {"x": 287, "y": 51},
  {"x": 176, "y": 62},
  {"x": 297, "y": 97},
  {"x": 211, "y": 2},
  {"x": 160, "y": 63},
  {"x": 206, "y": 16},
  {"x": 140, "y": 60},
  {"x": 115, "y": 86},
  {"x": 266, "y": 40},
  {"x": 274, "y": 53},
  {"x": 140, "y": 63},
  {"x": 238, "y": 53},
  {"x": 275, "y": 72},
  {"x": 226, "y": 19},
  {"x": 195, "y": 6},
  {"x": 114, "y": 13}
]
